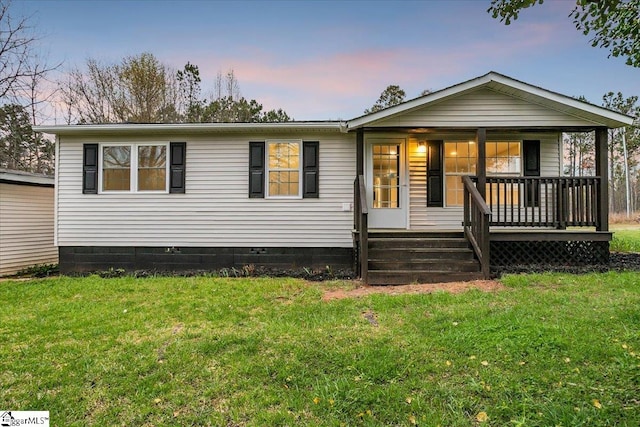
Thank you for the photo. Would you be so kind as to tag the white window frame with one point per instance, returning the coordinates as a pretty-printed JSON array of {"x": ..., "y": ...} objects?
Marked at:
[
  {"x": 520, "y": 156},
  {"x": 445, "y": 203},
  {"x": 133, "y": 179},
  {"x": 493, "y": 174},
  {"x": 508, "y": 174},
  {"x": 268, "y": 169}
]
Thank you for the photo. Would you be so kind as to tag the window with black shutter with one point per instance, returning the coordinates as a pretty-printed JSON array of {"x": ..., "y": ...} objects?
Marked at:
[
  {"x": 134, "y": 168},
  {"x": 284, "y": 169}
]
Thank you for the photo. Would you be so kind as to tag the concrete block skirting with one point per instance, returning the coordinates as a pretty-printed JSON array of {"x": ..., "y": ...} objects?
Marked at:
[{"x": 82, "y": 259}]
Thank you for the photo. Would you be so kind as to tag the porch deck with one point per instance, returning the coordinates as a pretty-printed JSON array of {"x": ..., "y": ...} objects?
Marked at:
[{"x": 513, "y": 233}]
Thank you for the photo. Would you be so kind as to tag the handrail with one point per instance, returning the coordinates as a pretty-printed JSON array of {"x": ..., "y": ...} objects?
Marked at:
[
  {"x": 477, "y": 217},
  {"x": 557, "y": 202},
  {"x": 361, "y": 225},
  {"x": 476, "y": 196}
]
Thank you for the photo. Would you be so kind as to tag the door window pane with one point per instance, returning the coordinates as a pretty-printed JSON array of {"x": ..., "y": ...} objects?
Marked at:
[{"x": 386, "y": 180}]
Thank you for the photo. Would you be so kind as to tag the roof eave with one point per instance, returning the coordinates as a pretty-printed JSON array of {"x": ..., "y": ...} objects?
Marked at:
[
  {"x": 612, "y": 118},
  {"x": 20, "y": 177},
  {"x": 188, "y": 128}
]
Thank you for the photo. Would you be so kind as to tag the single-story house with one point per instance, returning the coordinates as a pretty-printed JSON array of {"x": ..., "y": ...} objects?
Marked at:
[
  {"x": 26, "y": 221},
  {"x": 441, "y": 187}
]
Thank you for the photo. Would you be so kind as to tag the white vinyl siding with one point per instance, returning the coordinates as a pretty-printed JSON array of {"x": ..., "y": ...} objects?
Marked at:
[
  {"x": 483, "y": 108},
  {"x": 450, "y": 218},
  {"x": 26, "y": 227},
  {"x": 215, "y": 211}
]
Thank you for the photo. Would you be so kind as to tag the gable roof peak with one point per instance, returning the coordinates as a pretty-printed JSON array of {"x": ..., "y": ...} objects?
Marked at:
[{"x": 499, "y": 83}]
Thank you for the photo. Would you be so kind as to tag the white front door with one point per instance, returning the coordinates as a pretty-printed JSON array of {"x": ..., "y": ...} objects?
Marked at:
[{"x": 386, "y": 183}]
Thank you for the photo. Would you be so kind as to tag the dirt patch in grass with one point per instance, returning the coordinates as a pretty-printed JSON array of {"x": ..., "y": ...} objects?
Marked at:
[{"x": 453, "y": 287}]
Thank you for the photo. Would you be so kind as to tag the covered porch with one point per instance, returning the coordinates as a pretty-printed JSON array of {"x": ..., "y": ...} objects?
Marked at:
[
  {"x": 477, "y": 168},
  {"x": 516, "y": 218}
]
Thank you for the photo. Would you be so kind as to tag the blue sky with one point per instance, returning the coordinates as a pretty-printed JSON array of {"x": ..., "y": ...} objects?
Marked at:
[{"x": 331, "y": 59}]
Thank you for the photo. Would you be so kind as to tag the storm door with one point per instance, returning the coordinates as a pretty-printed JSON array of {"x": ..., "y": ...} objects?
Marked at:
[{"x": 386, "y": 183}]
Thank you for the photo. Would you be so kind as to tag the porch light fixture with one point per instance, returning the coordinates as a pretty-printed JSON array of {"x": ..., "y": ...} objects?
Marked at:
[{"x": 422, "y": 147}]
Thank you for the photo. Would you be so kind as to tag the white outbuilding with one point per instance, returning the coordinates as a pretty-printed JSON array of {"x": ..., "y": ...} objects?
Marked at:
[{"x": 26, "y": 221}]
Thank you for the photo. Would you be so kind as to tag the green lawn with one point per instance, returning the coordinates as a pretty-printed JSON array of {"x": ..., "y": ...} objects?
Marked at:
[
  {"x": 549, "y": 350},
  {"x": 626, "y": 238}
]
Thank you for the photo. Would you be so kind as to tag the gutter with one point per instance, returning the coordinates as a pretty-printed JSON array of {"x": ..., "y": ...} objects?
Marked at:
[{"x": 188, "y": 127}]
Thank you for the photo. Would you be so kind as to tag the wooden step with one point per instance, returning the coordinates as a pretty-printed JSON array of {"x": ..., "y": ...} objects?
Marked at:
[
  {"x": 415, "y": 234},
  {"x": 404, "y": 277},
  {"x": 414, "y": 242},
  {"x": 421, "y": 253},
  {"x": 449, "y": 265},
  {"x": 401, "y": 257}
]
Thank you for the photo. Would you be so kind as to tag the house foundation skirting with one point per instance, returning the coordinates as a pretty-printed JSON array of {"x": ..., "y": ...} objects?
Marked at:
[
  {"x": 83, "y": 259},
  {"x": 552, "y": 253}
]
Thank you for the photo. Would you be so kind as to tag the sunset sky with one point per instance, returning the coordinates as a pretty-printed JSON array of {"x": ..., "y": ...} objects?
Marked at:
[{"x": 323, "y": 60}]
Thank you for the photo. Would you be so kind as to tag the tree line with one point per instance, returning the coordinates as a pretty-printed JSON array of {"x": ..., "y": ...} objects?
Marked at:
[
  {"x": 141, "y": 89},
  {"x": 138, "y": 89}
]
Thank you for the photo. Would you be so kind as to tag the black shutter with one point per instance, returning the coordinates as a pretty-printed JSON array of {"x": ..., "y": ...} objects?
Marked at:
[
  {"x": 531, "y": 160},
  {"x": 256, "y": 169},
  {"x": 435, "y": 170},
  {"x": 90, "y": 169},
  {"x": 177, "y": 167},
  {"x": 310, "y": 169},
  {"x": 531, "y": 152}
]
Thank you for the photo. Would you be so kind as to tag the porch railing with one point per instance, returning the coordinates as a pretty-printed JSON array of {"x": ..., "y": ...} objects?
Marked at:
[
  {"x": 361, "y": 226},
  {"x": 477, "y": 218},
  {"x": 557, "y": 202}
]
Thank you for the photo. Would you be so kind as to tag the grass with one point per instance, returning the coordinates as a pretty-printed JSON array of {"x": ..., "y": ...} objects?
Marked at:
[
  {"x": 551, "y": 350},
  {"x": 626, "y": 238}
]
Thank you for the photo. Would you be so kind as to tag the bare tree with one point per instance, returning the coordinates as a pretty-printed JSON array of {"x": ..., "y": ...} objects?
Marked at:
[
  {"x": 17, "y": 53},
  {"x": 37, "y": 92},
  {"x": 138, "y": 89},
  {"x": 23, "y": 96},
  {"x": 226, "y": 86},
  {"x": 624, "y": 146}
]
